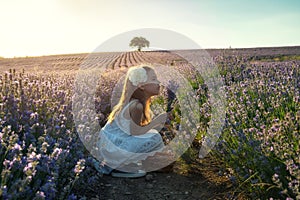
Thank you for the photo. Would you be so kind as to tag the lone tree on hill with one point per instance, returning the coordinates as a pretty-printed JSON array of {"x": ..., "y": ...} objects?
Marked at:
[{"x": 139, "y": 42}]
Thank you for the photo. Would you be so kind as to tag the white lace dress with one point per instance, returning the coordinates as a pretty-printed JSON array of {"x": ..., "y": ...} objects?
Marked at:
[{"x": 117, "y": 147}]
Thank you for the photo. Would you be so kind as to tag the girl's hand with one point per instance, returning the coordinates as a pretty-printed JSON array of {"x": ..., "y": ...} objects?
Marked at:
[
  {"x": 160, "y": 121},
  {"x": 162, "y": 117}
]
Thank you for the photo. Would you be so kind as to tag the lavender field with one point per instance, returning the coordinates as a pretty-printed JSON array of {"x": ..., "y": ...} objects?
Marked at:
[{"x": 42, "y": 156}]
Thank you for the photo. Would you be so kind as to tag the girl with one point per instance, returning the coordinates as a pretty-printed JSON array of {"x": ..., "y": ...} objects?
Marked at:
[{"x": 130, "y": 135}]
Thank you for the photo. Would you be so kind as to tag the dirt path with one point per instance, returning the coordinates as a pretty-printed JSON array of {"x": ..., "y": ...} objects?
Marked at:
[{"x": 189, "y": 179}]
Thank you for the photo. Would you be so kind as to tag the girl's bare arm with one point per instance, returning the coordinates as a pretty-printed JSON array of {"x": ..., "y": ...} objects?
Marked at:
[
  {"x": 136, "y": 113},
  {"x": 140, "y": 130}
]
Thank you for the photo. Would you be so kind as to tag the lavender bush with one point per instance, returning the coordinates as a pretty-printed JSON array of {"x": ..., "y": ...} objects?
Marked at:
[
  {"x": 41, "y": 157},
  {"x": 260, "y": 141}
]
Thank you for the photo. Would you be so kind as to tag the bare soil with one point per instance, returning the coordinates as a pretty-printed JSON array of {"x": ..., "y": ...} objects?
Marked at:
[{"x": 190, "y": 178}]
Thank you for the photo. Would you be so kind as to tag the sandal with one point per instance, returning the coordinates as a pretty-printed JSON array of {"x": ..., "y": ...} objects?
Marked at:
[{"x": 120, "y": 174}]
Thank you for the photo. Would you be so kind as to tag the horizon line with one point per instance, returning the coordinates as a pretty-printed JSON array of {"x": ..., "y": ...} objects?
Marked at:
[{"x": 212, "y": 48}]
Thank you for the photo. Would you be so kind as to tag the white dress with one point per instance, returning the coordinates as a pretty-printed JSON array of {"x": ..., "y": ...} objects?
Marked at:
[{"x": 117, "y": 147}]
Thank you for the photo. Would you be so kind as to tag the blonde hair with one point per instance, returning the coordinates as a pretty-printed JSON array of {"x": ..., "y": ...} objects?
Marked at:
[{"x": 126, "y": 95}]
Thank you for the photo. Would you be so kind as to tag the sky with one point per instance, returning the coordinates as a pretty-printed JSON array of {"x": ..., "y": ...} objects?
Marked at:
[{"x": 48, "y": 27}]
